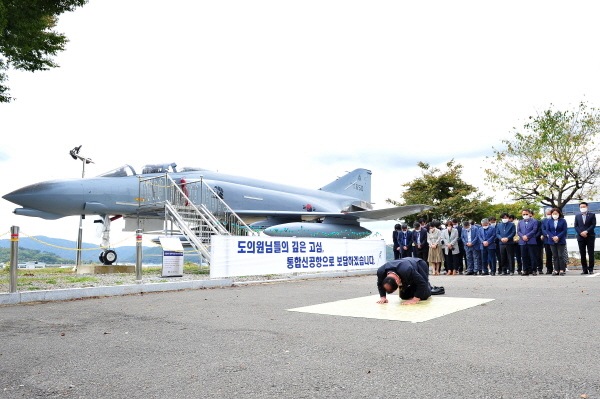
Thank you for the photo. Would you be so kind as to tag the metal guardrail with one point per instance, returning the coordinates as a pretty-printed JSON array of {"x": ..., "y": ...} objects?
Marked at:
[{"x": 194, "y": 207}]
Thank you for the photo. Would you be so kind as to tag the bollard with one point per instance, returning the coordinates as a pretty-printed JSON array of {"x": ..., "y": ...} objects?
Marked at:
[
  {"x": 138, "y": 255},
  {"x": 14, "y": 257},
  {"x": 79, "y": 243}
]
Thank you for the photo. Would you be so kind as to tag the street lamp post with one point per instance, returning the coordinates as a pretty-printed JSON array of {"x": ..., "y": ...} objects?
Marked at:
[{"x": 75, "y": 155}]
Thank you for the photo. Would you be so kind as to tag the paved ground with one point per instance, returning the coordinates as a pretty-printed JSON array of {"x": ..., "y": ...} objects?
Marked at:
[{"x": 537, "y": 339}]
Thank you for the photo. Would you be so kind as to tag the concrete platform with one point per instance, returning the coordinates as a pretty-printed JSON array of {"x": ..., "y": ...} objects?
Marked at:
[{"x": 105, "y": 269}]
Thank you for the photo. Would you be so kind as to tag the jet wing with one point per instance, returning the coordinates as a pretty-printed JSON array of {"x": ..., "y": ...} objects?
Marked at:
[
  {"x": 396, "y": 212},
  {"x": 306, "y": 216},
  {"x": 380, "y": 214}
]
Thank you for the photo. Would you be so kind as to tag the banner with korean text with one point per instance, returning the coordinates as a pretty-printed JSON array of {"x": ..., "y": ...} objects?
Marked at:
[{"x": 246, "y": 256}]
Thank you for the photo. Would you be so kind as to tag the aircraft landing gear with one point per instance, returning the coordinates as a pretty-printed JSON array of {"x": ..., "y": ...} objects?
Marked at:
[{"x": 108, "y": 257}]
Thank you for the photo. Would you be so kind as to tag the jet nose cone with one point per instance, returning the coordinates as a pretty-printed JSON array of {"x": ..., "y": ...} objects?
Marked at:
[
  {"x": 51, "y": 196},
  {"x": 22, "y": 195}
]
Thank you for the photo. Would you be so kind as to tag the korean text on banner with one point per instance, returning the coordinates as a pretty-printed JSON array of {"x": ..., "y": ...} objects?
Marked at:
[{"x": 245, "y": 256}]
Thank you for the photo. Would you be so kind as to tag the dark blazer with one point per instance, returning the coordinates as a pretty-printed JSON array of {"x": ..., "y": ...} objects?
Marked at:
[
  {"x": 506, "y": 230},
  {"x": 460, "y": 241},
  {"x": 589, "y": 225},
  {"x": 545, "y": 229},
  {"x": 410, "y": 274},
  {"x": 423, "y": 233},
  {"x": 401, "y": 236},
  {"x": 475, "y": 240},
  {"x": 488, "y": 235},
  {"x": 559, "y": 231},
  {"x": 529, "y": 229},
  {"x": 395, "y": 238},
  {"x": 540, "y": 232}
]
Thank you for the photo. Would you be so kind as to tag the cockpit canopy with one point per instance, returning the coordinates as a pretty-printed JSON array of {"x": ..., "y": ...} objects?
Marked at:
[
  {"x": 160, "y": 168},
  {"x": 128, "y": 170}
]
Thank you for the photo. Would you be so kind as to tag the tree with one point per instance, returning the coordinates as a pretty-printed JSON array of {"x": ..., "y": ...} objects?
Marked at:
[
  {"x": 512, "y": 209},
  {"x": 27, "y": 40},
  {"x": 554, "y": 159},
  {"x": 450, "y": 196}
]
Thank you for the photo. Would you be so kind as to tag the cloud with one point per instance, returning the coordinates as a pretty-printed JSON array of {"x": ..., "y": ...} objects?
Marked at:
[
  {"x": 4, "y": 156},
  {"x": 396, "y": 159}
]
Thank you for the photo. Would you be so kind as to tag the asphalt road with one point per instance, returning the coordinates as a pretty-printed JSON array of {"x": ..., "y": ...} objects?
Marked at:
[{"x": 537, "y": 339}]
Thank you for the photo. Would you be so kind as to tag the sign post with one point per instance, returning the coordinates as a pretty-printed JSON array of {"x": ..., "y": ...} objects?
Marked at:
[
  {"x": 138, "y": 255},
  {"x": 172, "y": 265}
]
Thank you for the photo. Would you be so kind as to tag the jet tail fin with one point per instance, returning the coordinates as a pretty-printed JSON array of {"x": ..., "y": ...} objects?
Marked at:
[{"x": 354, "y": 184}]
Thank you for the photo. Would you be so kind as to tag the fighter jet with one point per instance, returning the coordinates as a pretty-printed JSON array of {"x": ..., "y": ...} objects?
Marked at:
[{"x": 334, "y": 210}]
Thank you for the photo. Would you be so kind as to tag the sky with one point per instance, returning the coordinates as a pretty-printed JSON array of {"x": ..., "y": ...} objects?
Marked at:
[{"x": 292, "y": 92}]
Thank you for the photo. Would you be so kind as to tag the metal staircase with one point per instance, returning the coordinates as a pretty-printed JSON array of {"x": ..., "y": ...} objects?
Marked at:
[{"x": 193, "y": 207}]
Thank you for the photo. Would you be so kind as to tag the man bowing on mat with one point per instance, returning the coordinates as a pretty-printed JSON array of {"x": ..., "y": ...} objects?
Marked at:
[{"x": 411, "y": 275}]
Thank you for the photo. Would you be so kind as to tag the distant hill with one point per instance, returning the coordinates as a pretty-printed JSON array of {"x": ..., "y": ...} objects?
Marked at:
[
  {"x": 125, "y": 254},
  {"x": 29, "y": 255},
  {"x": 92, "y": 255}
]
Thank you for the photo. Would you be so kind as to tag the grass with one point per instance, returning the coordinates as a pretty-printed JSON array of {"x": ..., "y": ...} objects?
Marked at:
[
  {"x": 51, "y": 281},
  {"x": 72, "y": 279}
]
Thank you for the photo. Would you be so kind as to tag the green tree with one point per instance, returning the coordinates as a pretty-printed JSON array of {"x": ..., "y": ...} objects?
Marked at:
[
  {"x": 553, "y": 160},
  {"x": 512, "y": 209},
  {"x": 447, "y": 192},
  {"x": 27, "y": 41}
]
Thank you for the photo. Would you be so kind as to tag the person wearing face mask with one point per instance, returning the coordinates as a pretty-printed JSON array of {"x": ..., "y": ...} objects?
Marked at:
[
  {"x": 462, "y": 258},
  {"x": 527, "y": 230},
  {"x": 546, "y": 241},
  {"x": 517, "y": 247},
  {"x": 451, "y": 250},
  {"x": 419, "y": 239},
  {"x": 472, "y": 242},
  {"x": 405, "y": 242},
  {"x": 493, "y": 223},
  {"x": 556, "y": 229},
  {"x": 585, "y": 225},
  {"x": 487, "y": 235},
  {"x": 396, "y": 246},
  {"x": 434, "y": 239},
  {"x": 505, "y": 233}
]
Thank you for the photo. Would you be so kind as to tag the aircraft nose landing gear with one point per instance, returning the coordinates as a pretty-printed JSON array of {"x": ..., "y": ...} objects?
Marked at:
[{"x": 108, "y": 257}]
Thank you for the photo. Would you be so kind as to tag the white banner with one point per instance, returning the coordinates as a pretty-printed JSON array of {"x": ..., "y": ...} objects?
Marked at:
[{"x": 246, "y": 256}]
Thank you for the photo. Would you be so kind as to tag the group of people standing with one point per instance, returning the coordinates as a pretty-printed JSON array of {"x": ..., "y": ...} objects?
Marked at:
[{"x": 494, "y": 247}]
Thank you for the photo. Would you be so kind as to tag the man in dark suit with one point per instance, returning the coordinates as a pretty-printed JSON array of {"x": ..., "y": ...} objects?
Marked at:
[
  {"x": 585, "y": 225},
  {"x": 527, "y": 230},
  {"x": 546, "y": 241},
  {"x": 462, "y": 258},
  {"x": 540, "y": 247},
  {"x": 470, "y": 236},
  {"x": 395, "y": 234},
  {"x": 516, "y": 248},
  {"x": 419, "y": 239},
  {"x": 405, "y": 241},
  {"x": 411, "y": 275},
  {"x": 494, "y": 223},
  {"x": 506, "y": 232}
]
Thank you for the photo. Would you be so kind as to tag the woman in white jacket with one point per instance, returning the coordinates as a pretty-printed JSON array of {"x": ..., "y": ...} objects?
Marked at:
[
  {"x": 435, "y": 256},
  {"x": 451, "y": 250}
]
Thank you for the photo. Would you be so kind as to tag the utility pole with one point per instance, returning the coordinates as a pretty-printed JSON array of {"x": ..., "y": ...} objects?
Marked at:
[{"x": 75, "y": 155}]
